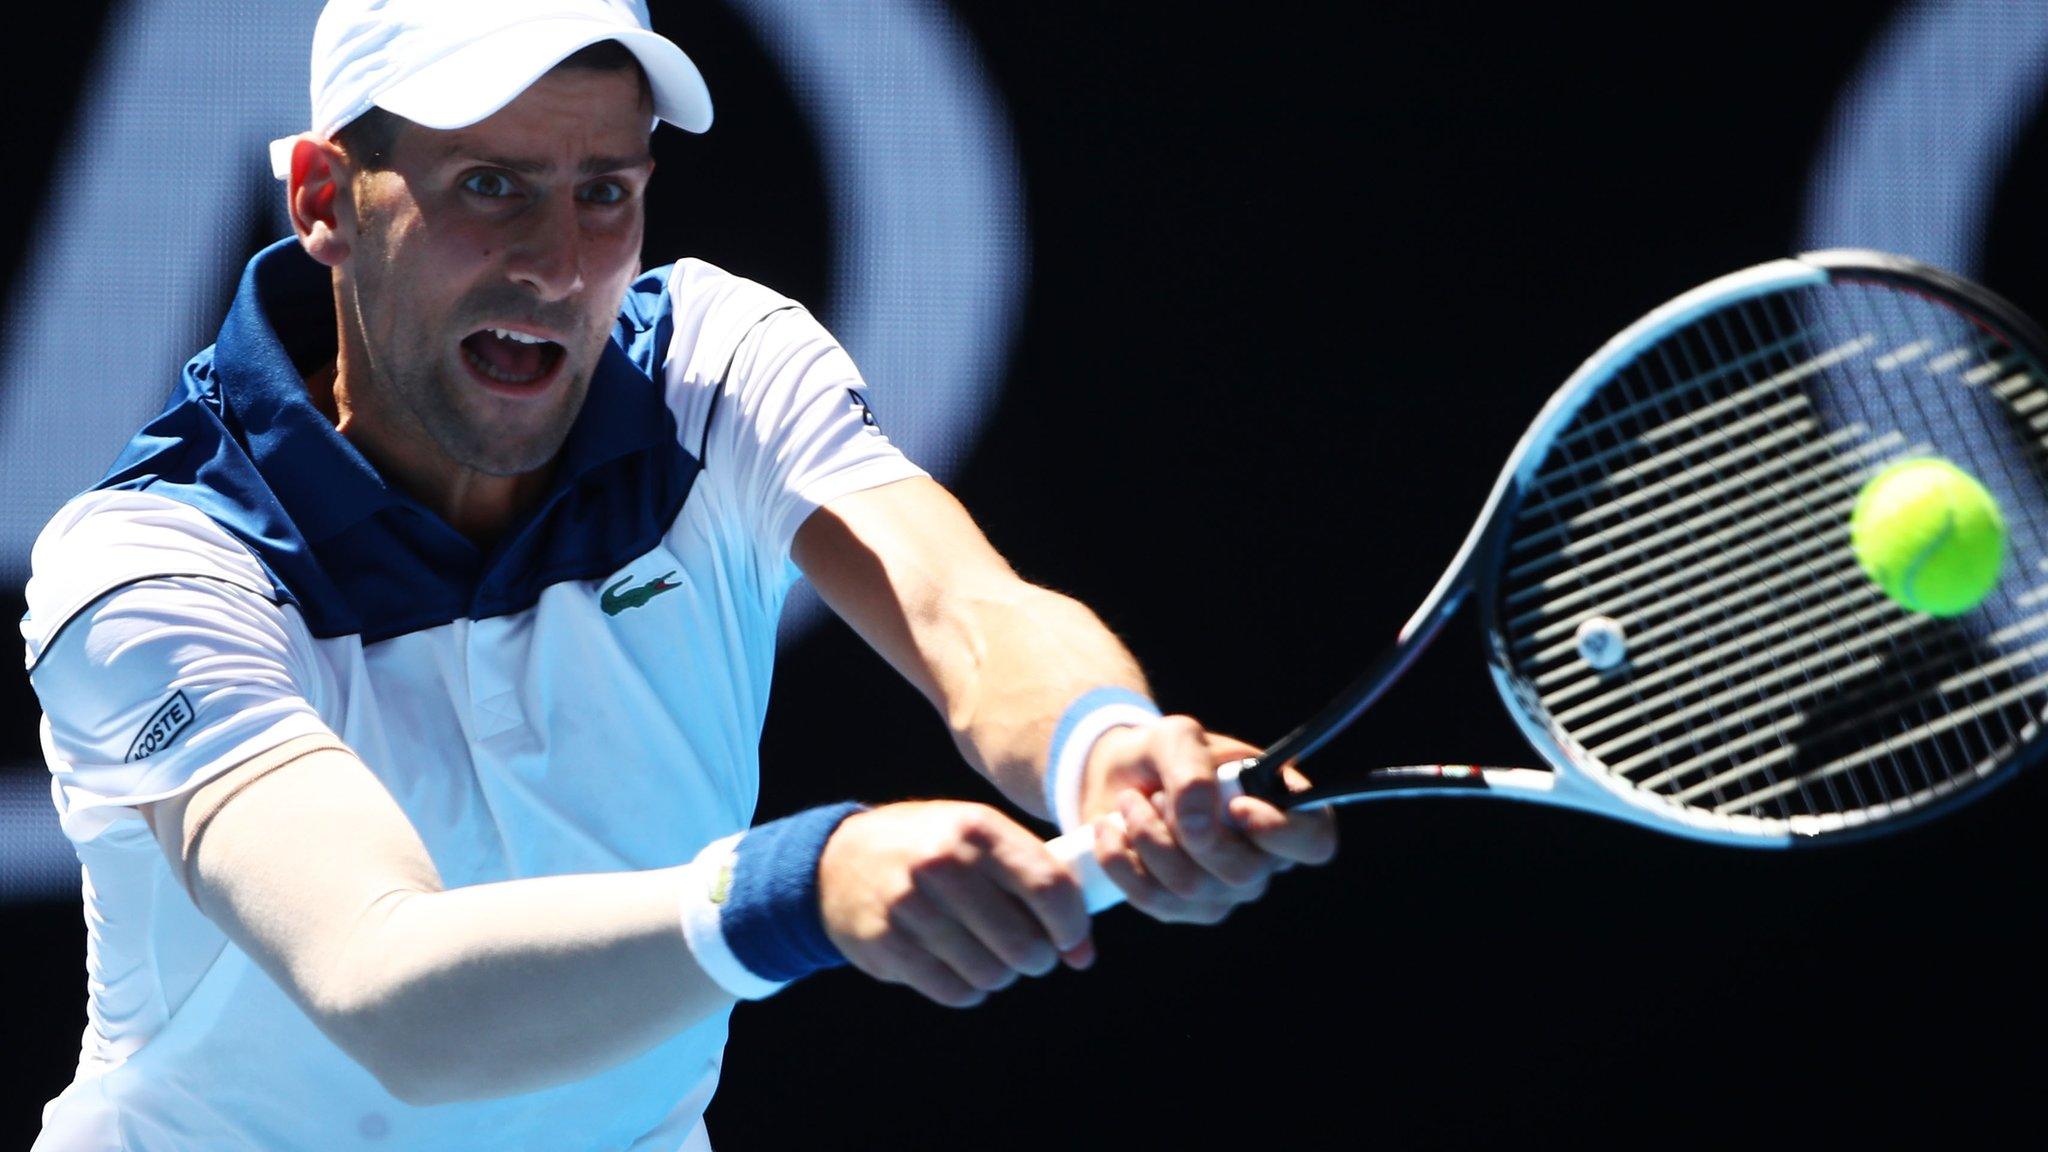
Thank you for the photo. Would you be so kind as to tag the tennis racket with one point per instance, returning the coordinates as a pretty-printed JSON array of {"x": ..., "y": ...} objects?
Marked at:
[{"x": 1672, "y": 612}]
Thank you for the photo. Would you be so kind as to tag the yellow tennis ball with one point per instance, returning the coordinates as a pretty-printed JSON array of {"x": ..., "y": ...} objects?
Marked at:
[{"x": 1930, "y": 535}]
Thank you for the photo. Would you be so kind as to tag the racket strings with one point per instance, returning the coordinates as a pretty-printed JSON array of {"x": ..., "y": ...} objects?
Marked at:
[
  {"x": 1800, "y": 537},
  {"x": 1766, "y": 500},
  {"x": 1749, "y": 469},
  {"x": 1683, "y": 432},
  {"x": 1939, "y": 731},
  {"x": 1892, "y": 375},
  {"x": 1837, "y": 665},
  {"x": 1842, "y": 691},
  {"x": 1752, "y": 723},
  {"x": 2017, "y": 476},
  {"x": 1674, "y": 647},
  {"x": 1787, "y": 528},
  {"x": 1934, "y": 731},
  {"x": 1699, "y": 500},
  {"x": 1630, "y": 510}
]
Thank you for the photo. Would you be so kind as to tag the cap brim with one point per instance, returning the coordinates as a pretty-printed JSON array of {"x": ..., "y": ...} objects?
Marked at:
[{"x": 479, "y": 78}]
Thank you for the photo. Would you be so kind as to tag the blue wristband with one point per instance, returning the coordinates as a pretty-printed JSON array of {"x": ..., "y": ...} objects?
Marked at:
[
  {"x": 1079, "y": 727},
  {"x": 770, "y": 919}
]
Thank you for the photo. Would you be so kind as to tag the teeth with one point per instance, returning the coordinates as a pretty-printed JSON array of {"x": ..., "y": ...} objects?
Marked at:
[
  {"x": 516, "y": 337},
  {"x": 493, "y": 371}
]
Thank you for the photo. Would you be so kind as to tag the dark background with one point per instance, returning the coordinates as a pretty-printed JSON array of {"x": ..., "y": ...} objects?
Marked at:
[{"x": 1301, "y": 273}]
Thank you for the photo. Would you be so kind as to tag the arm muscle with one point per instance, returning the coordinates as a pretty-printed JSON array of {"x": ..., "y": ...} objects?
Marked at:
[{"x": 907, "y": 567}]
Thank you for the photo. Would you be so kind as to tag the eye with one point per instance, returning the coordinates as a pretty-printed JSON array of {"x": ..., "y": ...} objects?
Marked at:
[
  {"x": 606, "y": 192},
  {"x": 489, "y": 183}
]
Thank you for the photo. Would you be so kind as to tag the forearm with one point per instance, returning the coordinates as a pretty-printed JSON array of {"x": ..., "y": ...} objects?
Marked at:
[
  {"x": 510, "y": 987},
  {"x": 1027, "y": 655},
  {"x": 999, "y": 657},
  {"x": 305, "y": 862}
]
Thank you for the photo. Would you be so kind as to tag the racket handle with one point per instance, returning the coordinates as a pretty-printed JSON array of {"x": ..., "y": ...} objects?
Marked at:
[{"x": 1076, "y": 849}]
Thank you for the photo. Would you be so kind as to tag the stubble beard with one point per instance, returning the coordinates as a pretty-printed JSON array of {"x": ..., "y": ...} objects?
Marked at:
[
  {"x": 469, "y": 439},
  {"x": 409, "y": 377}
]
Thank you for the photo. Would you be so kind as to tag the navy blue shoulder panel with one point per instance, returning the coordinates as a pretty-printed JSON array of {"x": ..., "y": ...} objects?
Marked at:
[
  {"x": 647, "y": 321},
  {"x": 189, "y": 453},
  {"x": 241, "y": 441}
]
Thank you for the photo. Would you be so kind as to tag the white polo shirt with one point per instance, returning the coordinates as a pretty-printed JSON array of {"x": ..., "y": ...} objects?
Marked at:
[{"x": 586, "y": 696}]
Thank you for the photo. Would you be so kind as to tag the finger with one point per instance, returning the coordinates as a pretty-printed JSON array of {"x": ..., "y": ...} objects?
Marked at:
[
  {"x": 1187, "y": 758},
  {"x": 908, "y": 963},
  {"x": 1191, "y": 894},
  {"x": 1187, "y": 775},
  {"x": 1224, "y": 749},
  {"x": 1152, "y": 840},
  {"x": 1303, "y": 836},
  {"x": 979, "y": 907},
  {"x": 1021, "y": 865},
  {"x": 1119, "y": 861},
  {"x": 929, "y": 919}
]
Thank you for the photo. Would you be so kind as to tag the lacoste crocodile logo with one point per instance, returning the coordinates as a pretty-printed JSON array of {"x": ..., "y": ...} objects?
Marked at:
[{"x": 615, "y": 601}]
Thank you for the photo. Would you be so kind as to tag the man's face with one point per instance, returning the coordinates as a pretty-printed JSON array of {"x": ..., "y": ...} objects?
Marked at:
[{"x": 486, "y": 271}]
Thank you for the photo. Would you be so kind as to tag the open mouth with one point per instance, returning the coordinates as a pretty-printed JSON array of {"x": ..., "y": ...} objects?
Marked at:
[{"x": 514, "y": 359}]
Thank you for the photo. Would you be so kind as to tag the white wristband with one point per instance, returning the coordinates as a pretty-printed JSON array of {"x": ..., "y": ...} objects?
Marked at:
[
  {"x": 707, "y": 882},
  {"x": 1083, "y": 723}
]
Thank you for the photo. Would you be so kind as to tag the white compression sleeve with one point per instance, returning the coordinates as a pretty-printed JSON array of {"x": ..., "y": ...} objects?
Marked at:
[{"x": 308, "y": 864}]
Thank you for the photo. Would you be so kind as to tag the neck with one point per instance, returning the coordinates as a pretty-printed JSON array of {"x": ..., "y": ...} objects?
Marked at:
[{"x": 479, "y": 505}]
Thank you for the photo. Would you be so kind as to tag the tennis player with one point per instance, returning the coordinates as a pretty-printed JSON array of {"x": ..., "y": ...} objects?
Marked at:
[{"x": 403, "y": 678}]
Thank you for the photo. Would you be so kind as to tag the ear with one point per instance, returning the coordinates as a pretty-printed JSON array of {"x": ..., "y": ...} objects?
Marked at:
[{"x": 320, "y": 213}]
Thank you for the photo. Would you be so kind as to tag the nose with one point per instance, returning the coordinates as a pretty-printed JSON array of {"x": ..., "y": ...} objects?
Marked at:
[{"x": 548, "y": 261}]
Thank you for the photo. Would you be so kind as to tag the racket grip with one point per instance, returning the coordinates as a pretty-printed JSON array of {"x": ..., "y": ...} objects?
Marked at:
[{"x": 1076, "y": 849}]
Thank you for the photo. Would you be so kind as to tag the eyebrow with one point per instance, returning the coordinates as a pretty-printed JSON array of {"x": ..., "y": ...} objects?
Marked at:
[{"x": 590, "y": 166}]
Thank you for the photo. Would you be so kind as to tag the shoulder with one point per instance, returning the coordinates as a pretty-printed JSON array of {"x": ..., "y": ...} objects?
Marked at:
[
  {"x": 111, "y": 538},
  {"x": 688, "y": 319},
  {"x": 161, "y": 654}
]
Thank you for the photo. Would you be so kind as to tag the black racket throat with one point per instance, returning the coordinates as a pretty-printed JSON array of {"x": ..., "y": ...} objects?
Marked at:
[{"x": 1262, "y": 778}]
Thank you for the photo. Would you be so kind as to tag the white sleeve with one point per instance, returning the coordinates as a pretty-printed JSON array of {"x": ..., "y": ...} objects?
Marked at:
[
  {"x": 792, "y": 428},
  {"x": 166, "y": 680}
]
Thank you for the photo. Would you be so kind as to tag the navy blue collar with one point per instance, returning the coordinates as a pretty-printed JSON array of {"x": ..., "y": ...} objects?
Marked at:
[
  {"x": 242, "y": 441},
  {"x": 281, "y": 327}
]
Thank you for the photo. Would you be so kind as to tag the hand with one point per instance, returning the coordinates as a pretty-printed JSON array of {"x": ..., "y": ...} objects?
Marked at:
[
  {"x": 1176, "y": 852},
  {"x": 955, "y": 900}
]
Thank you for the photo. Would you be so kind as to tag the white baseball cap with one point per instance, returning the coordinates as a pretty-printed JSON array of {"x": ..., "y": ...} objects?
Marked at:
[{"x": 450, "y": 63}]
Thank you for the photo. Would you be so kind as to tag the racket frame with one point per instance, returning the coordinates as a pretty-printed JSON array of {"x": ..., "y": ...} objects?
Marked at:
[{"x": 1569, "y": 782}]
